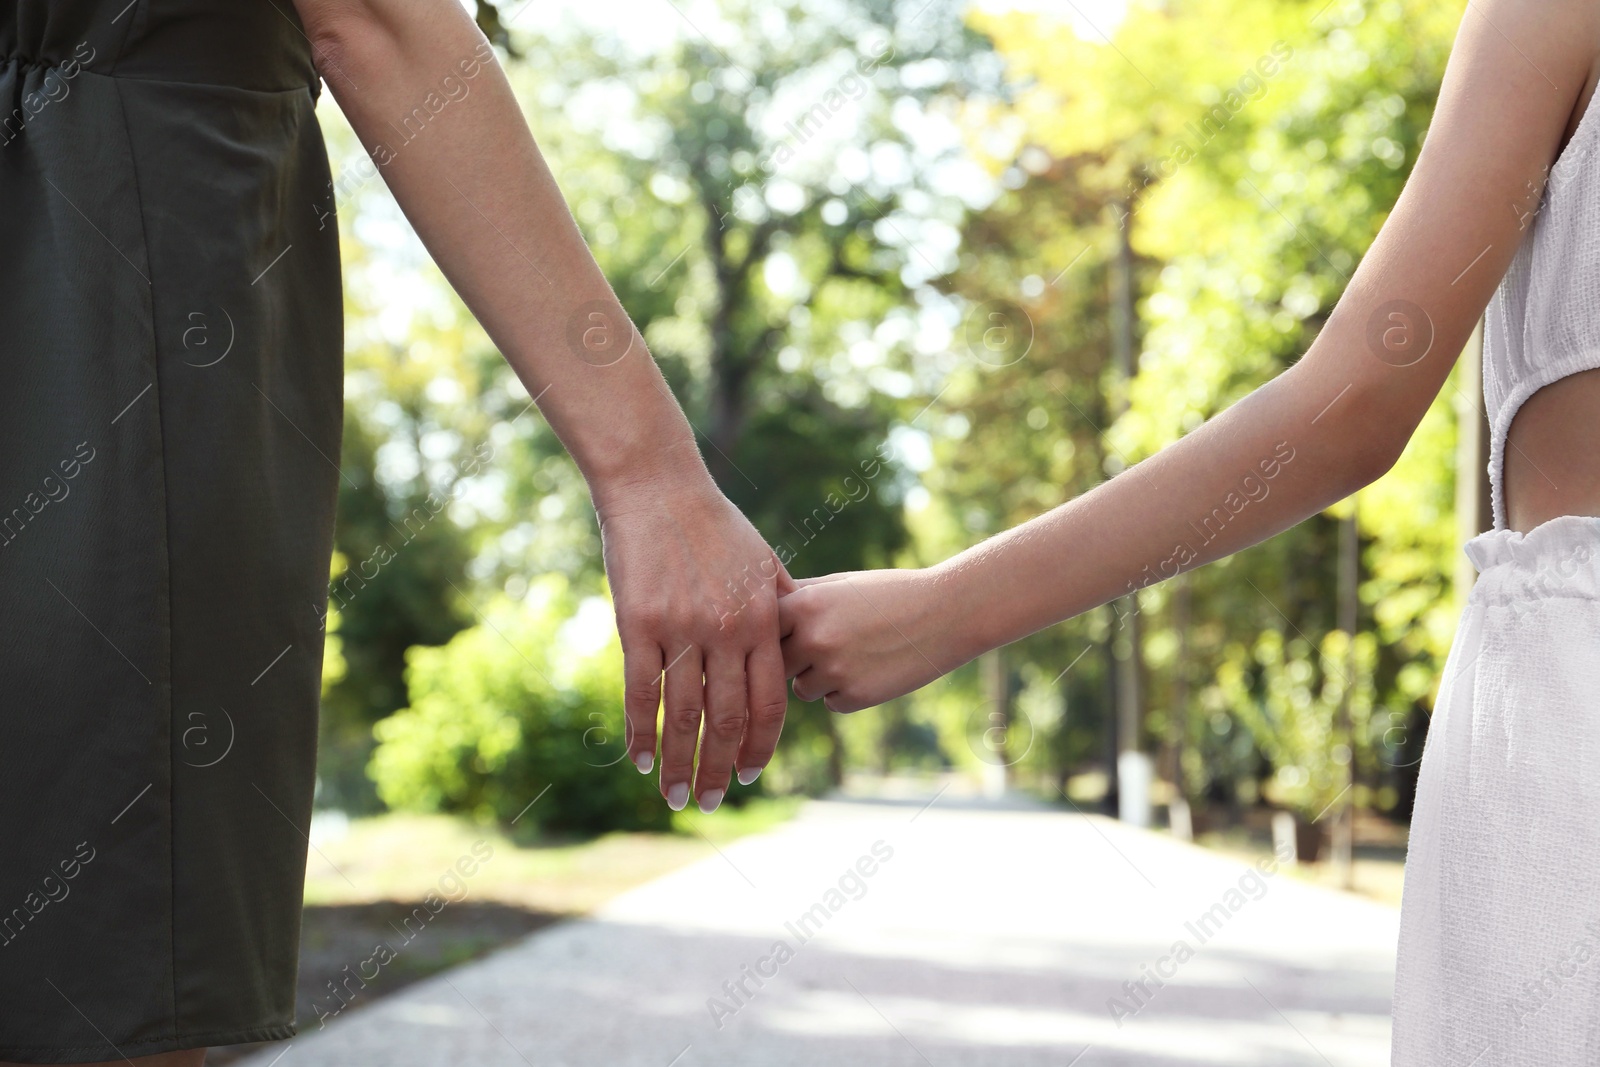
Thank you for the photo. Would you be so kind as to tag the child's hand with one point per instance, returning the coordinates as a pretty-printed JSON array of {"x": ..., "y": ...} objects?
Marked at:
[{"x": 860, "y": 638}]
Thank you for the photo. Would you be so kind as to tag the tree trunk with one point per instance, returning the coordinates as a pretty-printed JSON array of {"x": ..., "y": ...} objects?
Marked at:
[
  {"x": 993, "y": 742},
  {"x": 1112, "y": 734},
  {"x": 835, "y": 749},
  {"x": 1129, "y": 656},
  {"x": 1180, "y": 817},
  {"x": 1343, "y": 829},
  {"x": 729, "y": 410}
]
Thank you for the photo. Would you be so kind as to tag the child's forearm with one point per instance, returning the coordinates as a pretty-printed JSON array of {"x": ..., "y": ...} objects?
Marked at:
[
  {"x": 1258, "y": 468},
  {"x": 1333, "y": 422},
  {"x": 1314, "y": 434}
]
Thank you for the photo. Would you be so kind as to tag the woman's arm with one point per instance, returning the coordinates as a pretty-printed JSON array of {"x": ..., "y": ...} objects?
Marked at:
[
  {"x": 695, "y": 586},
  {"x": 1330, "y": 424}
]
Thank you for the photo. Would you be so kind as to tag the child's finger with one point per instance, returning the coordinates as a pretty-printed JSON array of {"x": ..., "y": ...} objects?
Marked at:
[
  {"x": 785, "y": 583},
  {"x": 795, "y": 658},
  {"x": 840, "y": 704},
  {"x": 809, "y": 685},
  {"x": 788, "y": 619},
  {"x": 821, "y": 579}
]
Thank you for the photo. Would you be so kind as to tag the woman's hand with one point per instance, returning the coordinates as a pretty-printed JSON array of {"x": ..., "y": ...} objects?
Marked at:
[
  {"x": 696, "y": 592},
  {"x": 861, "y": 638}
]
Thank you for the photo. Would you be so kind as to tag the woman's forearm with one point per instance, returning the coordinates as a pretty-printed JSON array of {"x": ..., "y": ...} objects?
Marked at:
[
  {"x": 421, "y": 88},
  {"x": 694, "y": 585}
]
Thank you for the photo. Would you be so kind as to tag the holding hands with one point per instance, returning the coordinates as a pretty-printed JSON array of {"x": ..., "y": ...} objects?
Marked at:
[
  {"x": 666, "y": 540},
  {"x": 860, "y": 638}
]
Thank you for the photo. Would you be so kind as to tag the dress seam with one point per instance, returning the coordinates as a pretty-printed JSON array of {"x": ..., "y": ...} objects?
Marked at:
[
  {"x": 26, "y": 63},
  {"x": 166, "y": 548},
  {"x": 122, "y": 49},
  {"x": 275, "y": 1032}
]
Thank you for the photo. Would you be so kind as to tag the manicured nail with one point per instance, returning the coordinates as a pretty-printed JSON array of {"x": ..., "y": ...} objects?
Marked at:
[
  {"x": 749, "y": 774},
  {"x": 710, "y": 799},
  {"x": 644, "y": 761},
  {"x": 678, "y": 796}
]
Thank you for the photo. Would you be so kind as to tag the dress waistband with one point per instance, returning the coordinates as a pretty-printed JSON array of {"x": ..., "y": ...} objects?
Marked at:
[
  {"x": 257, "y": 45},
  {"x": 1559, "y": 558}
]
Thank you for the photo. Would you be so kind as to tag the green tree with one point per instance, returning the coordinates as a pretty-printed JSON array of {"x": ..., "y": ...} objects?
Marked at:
[{"x": 1252, "y": 149}]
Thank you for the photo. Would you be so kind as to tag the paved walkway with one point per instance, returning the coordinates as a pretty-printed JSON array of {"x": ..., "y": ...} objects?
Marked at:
[{"x": 884, "y": 933}]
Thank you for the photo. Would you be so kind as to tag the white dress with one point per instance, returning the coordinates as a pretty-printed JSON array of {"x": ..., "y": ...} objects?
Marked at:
[{"x": 1499, "y": 955}]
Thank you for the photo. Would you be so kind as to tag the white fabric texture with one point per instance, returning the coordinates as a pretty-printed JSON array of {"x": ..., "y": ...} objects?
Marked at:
[
  {"x": 1499, "y": 954},
  {"x": 1543, "y": 322}
]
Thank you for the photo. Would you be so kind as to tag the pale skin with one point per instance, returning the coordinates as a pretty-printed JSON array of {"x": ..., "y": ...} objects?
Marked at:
[
  {"x": 1516, "y": 86},
  {"x": 695, "y": 586}
]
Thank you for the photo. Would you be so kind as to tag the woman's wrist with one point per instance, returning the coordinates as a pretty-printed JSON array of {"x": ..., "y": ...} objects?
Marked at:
[
  {"x": 670, "y": 474},
  {"x": 660, "y": 470},
  {"x": 642, "y": 448}
]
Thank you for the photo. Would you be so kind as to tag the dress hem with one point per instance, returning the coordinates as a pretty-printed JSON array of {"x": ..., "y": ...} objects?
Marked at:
[{"x": 171, "y": 1043}]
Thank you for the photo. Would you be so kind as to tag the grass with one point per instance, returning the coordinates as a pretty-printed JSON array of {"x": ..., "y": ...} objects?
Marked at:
[
  {"x": 1378, "y": 870},
  {"x": 366, "y": 881},
  {"x": 403, "y": 856}
]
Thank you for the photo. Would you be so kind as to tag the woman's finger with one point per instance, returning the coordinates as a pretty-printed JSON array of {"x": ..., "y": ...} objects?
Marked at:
[
  {"x": 724, "y": 726},
  {"x": 768, "y": 702},
  {"x": 641, "y": 699},
  {"x": 680, "y": 731}
]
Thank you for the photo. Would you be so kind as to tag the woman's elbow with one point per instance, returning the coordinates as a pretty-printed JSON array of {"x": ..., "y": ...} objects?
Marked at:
[{"x": 336, "y": 28}]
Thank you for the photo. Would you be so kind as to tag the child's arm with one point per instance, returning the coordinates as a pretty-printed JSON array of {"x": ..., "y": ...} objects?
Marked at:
[{"x": 1330, "y": 424}]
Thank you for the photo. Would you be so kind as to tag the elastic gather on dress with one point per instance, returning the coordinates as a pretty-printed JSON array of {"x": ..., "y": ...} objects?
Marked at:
[
  {"x": 31, "y": 62},
  {"x": 1559, "y": 558}
]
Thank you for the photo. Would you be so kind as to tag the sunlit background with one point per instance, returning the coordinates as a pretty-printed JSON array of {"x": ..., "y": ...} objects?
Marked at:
[{"x": 992, "y": 254}]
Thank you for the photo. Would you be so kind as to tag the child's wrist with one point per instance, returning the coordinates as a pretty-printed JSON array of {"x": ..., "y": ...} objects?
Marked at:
[{"x": 972, "y": 627}]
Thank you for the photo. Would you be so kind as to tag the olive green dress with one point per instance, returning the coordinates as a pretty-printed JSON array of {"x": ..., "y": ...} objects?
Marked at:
[{"x": 171, "y": 343}]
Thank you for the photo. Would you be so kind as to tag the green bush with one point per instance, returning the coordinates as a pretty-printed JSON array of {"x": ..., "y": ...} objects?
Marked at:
[
  {"x": 527, "y": 704},
  {"x": 1287, "y": 694}
]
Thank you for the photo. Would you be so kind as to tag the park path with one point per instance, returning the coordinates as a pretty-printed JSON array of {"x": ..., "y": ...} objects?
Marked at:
[{"x": 983, "y": 933}]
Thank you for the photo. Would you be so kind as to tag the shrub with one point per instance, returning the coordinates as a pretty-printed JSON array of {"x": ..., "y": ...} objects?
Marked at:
[
  {"x": 1287, "y": 694},
  {"x": 527, "y": 704}
]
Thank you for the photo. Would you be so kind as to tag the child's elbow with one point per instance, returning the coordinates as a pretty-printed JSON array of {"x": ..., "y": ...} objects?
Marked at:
[{"x": 1372, "y": 455}]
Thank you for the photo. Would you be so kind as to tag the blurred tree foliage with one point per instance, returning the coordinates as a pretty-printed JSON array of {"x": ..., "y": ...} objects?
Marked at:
[
  {"x": 1288, "y": 697},
  {"x": 757, "y": 205},
  {"x": 874, "y": 248},
  {"x": 1252, "y": 148}
]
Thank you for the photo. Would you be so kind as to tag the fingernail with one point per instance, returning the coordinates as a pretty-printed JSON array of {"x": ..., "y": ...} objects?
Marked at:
[
  {"x": 678, "y": 796},
  {"x": 644, "y": 761},
  {"x": 749, "y": 774},
  {"x": 710, "y": 800}
]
